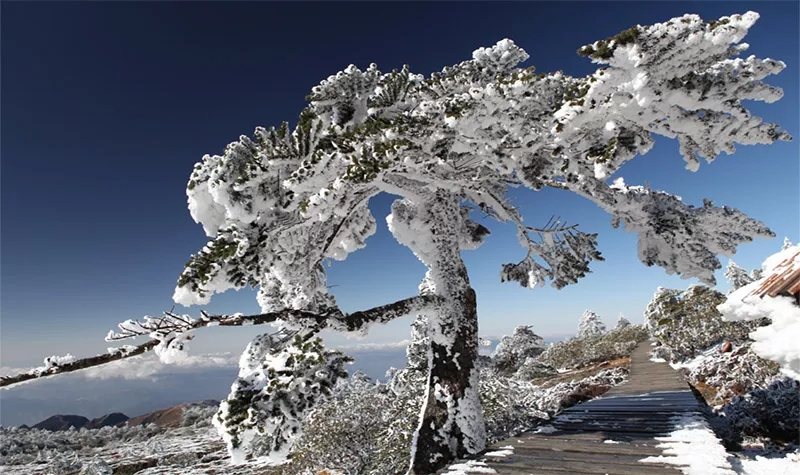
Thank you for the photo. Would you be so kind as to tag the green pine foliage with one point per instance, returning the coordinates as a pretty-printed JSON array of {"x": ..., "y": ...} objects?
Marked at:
[
  {"x": 686, "y": 322},
  {"x": 280, "y": 381}
]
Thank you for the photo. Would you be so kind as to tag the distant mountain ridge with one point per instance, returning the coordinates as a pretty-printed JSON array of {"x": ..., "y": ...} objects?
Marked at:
[
  {"x": 64, "y": 422},
  {"x": 168, "y": 417}
]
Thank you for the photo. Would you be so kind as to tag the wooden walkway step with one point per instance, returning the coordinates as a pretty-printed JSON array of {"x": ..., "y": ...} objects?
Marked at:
[{"x": 608, "y": 435}]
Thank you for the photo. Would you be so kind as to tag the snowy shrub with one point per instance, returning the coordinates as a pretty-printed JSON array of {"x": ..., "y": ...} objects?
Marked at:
[
  {"x": 532, "y": 368},
  {"x": 514, "y": 349},
  {"x": 509, "y": 405},
  {"x": 367, "y": 428},
  {"x": 198, "y": 415},
  {"x": 579, "y": 352},
  {"x": 772, "y": 413},
  {"x": 686, "y": 322},
  {"x": 733, "y": 373},
  {"x": 20, "y": 446},
  {"x": 96, "y": 466},
  {"x": 363, "y": 428},
  {"x": 562, "y": 395},
  {"x": 280, "y": 380}
]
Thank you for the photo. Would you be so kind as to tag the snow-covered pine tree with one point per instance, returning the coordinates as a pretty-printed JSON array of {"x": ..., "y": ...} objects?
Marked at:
[
  {"x": 514, "y": 349},
  {"x": 281, "y": 378},
  {"x": 622, "y": 322},
  {"x": 736, "y": 276},
  {"x": 786, "y": 244},
  {"x": 277, "y": 205},
  {"x": 590, "y": 325}
]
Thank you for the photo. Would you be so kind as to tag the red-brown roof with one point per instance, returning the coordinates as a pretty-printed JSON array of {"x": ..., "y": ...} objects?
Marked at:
[{"x": 784, "y": 278}]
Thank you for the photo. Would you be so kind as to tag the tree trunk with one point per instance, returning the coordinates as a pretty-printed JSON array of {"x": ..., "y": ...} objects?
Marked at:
[{"x": 451, "y": 424}]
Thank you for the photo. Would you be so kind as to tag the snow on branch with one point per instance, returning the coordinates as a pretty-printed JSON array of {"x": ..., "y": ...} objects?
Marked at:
[
  {"x": 172, "y": 328},
  {"x": 566, "y": 250},
  {"x": 75, "y": 365},
  {"x": 681, "y": 238}
]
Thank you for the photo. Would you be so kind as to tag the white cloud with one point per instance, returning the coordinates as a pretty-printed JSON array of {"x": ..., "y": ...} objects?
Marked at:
[
  {"x": 145, "y": 366},
  {"x": 148, "y": 366},
  {"x": 8, "y": 370},
  {"x": 375, "y": 346}
]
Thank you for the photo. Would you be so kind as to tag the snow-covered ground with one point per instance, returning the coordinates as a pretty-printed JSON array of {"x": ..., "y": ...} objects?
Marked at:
[
  {"x": 186, "y": 450},
  {"x": 695, "y": 449}
]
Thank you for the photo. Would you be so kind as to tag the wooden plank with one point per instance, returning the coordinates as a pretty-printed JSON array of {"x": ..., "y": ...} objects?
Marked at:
[
  {"x": 636, "y": 416},
  {"x": 637, "y": 409},
  {"x": 574, "y": 456},
  {"x": 641, "y": 402},
  {"x": 588, "y": 446},
  {"x": 632, "y": 403},
  {"x": 599, "y": 410},
  {"x": 638, "y": 403},
  {"x": 648, "y": 396},
  {"x": 609, "y": 432},
  {"x": 593, "y": 436},
  {"x": 599, "y": 465},
  {"x": 613, "y": 422}
]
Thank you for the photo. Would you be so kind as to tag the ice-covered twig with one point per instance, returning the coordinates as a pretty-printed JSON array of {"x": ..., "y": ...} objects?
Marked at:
[{"x": 172, "y": 326}]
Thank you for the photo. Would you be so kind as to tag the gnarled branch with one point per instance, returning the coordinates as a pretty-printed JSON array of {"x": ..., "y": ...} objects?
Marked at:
[{"x": 175, "y": 324}]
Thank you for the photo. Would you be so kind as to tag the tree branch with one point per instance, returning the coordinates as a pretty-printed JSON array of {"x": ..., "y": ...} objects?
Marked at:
[
  {"x": 385, "y": 313},
  {"x": 171, "y": 324},
  {"x": 98, "y": 360}
]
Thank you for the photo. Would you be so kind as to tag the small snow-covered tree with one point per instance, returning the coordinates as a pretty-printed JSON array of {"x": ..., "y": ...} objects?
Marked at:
[
  {"x": 590, "y": 325},
  {"x": 281, "y": 378},
  {"x": 514, "y": 349},
  {"x": 622, "y": 322},
  {"x": 786, "y": 244},
  {"x": 736, "y": 276},
  {"x": 278, "y": 204}
]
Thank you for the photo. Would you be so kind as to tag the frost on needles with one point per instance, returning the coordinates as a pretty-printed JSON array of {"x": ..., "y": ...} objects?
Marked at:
[{"x": 278, "y": 204}]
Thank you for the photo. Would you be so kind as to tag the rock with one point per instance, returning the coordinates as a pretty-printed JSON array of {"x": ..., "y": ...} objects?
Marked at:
[{"x": 726, "y": 347}]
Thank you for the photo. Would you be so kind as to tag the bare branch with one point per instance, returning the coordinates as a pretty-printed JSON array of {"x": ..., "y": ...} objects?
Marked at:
[
  {"x": 172, "y": 323},
  {"x": 386, "y": 313}
]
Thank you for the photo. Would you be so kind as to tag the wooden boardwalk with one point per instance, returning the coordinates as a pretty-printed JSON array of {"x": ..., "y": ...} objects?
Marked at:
[{"x": 607, "y": 435}]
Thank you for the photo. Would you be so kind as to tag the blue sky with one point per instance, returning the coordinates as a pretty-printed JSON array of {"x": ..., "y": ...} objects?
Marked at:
[{"x": 106, "y": 106}]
